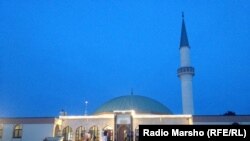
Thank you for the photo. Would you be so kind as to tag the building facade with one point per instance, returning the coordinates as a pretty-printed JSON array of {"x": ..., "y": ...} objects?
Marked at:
[
  {"x": 119, "y": 126},
  {"x": 26, "y": 129}
]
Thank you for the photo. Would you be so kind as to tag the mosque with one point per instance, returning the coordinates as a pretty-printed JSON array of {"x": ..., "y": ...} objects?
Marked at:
[{"x": 119, "y": 118}]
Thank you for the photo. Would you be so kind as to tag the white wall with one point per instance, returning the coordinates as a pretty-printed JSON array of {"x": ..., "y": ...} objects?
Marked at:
[
  {"x": 7, "y": 132},
  {"x": 31, "y": 132}
]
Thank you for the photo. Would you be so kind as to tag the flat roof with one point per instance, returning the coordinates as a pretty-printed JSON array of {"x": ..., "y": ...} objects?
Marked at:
[
  {"x": 28, "y": 120},
  {"x": 221, "y": 118}
]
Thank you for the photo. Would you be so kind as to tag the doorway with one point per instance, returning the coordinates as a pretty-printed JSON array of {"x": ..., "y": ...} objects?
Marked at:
[{"x": 123, "y": 126}]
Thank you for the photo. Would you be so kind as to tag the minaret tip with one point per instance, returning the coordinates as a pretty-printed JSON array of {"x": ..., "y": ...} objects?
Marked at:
[
  {"x": 182, "y": 14},
  {"x": 184, "y": 38}
]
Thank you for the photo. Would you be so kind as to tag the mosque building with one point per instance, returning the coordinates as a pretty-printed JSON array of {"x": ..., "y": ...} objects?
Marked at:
[{"x": 119, "y": 118}]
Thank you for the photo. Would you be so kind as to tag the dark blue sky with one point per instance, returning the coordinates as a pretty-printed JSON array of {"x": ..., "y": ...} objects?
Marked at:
[{"x": 55, "y": 53}]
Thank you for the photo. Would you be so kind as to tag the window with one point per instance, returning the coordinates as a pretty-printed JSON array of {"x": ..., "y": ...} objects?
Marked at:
[
  {"x": 108, "y": 133},
  {"x": 80, "y": 132},
  {"x": 57, "y": 131},
  {"x": 94, "y": 133},
  {"x": 67, "y": 134},
  {"x": 1, "y": 131},
  {"x": 17, "y": 132}
]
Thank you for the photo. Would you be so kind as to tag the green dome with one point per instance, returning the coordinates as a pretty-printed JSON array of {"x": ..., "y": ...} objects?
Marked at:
[{"x": 140, "y": 104}]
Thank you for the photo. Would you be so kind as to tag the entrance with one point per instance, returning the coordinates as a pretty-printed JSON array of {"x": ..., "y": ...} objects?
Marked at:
[
  {"x": 123, "y": 133},
  {"x": 123, "y": 126}
]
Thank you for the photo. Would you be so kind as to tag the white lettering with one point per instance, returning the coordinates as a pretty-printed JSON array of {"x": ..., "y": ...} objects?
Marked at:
[
  {"x": 159, "y": 132},
  {"x": 177, "y": 132},
  {"x": 145, "y": 131}
]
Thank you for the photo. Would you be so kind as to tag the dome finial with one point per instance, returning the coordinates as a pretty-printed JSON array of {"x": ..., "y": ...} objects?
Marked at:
[
  {"x": 132, "y": 91},
  {"x": 182, "y": 14}
]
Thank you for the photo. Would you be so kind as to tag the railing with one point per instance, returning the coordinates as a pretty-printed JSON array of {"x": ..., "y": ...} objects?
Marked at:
[{"x": 185, "y": 70}]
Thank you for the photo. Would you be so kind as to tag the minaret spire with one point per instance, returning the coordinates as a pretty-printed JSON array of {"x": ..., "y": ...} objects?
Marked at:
[
  {"x": 184, "y": 38},
  {"x": 186, "y": 72}
]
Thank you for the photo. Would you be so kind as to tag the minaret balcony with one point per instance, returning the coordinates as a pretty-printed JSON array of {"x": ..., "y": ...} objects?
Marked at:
[{"x": 185, "y": 70}]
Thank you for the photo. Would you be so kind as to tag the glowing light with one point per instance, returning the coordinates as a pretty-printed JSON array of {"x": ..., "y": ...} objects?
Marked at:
[
  {"x": 132, "y": 112},
  {"x": 85, "y": 111}
]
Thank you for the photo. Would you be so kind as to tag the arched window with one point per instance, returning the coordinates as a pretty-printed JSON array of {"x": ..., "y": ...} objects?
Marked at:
[
  {"x": 17, "y": 132},
  {"x": 108, "y": 133},
  {"x": 94, "y": 133},
  {"x": 67, "y": 134},
  {"x": 1, "y": 131},
  {"x": 80, "y": 132},
  {"x": 57, "y": 131}
]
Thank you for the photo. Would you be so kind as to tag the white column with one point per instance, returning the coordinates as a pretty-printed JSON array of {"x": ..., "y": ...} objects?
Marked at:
[
  {"x": 187, "y": 93},
  {"x": 185, "y": 56}
]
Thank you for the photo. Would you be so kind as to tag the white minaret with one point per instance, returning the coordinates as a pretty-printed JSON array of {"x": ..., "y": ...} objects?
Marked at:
[{"x": 186, "y": 72}]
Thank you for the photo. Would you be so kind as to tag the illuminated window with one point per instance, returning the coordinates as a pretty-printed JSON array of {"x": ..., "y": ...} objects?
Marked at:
[
  {"x": 17, "y": 132},
  {"x": 1, "y": 131},
  {"x": 108, "y": 133},
  {"x": 94, "y": 133},
  {"x": 67, "y": 134},
  {"x": 80, "y": 132},
  {"x": 57, "y": 131}
]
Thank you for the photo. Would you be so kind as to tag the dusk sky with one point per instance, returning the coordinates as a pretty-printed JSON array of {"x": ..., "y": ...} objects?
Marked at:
[{"x": 56, "y": 53}]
